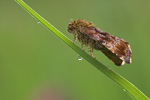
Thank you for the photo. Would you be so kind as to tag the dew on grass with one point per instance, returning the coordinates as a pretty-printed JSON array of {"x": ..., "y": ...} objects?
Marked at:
[{"x": 79, "y": 57}]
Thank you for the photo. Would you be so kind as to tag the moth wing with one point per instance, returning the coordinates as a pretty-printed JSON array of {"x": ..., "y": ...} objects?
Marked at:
[
  {"x": 116, "y": 59},
  {"x": 116, "y": 49},
  {"x": 119, "y": 47}
]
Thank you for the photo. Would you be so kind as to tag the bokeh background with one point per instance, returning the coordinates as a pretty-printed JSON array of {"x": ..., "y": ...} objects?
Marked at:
[{"x": 36, "y": 65}]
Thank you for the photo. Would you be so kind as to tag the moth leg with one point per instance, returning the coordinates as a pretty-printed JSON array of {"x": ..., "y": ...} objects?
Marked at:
[
  {"x": 75, "y": 37},
  {"x": 84, "y": 47},
  {"x": 91, "y": 52},
  {"x": 81, "y": 45}
]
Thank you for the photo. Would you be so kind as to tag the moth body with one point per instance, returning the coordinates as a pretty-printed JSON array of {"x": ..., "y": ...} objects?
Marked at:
[{"x": 116, "y": 49}]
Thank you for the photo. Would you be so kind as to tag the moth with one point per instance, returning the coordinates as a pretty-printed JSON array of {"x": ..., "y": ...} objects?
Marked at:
[{"x": 116, "y": 49}]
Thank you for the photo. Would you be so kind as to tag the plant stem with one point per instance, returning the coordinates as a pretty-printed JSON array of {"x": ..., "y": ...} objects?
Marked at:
[{"x": 125, "y": 84}]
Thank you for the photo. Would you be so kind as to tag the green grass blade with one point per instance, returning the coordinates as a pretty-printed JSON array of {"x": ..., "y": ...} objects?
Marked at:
[{"x": 125, "y": 84}]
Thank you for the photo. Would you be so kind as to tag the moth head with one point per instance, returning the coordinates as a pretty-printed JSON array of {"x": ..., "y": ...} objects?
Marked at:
[{"x": 71, "y": 28}]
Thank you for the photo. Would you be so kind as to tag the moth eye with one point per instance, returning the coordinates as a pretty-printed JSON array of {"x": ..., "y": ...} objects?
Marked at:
[{"x": 70, "y": 28}]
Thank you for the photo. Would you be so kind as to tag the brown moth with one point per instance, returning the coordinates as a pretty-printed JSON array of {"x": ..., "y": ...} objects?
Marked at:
[{"x": 116, "y": 49}]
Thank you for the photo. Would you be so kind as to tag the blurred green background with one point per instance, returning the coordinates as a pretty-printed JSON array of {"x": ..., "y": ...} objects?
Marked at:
[{"x": 33, "y": 61}]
